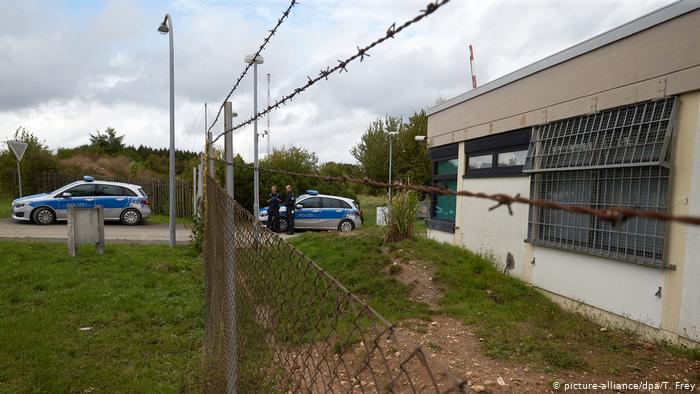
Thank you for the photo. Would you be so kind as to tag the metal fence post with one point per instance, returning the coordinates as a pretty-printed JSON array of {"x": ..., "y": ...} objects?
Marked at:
[
  {"x": 228, "y": 146},
  {"x": 231, "y": 370},
  {"x": 194, "y": 191}
]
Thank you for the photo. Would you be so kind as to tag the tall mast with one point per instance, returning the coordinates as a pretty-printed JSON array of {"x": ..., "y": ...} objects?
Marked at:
[{"x": 268, "y": 114}]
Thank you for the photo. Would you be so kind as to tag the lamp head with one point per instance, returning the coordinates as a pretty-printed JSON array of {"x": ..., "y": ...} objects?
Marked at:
[
  {"x": 163, "y": 28},
  {"x": 393, "y": 133},
  {"x": 421, "y": 138},
  {"x": 252, "y": 59}
]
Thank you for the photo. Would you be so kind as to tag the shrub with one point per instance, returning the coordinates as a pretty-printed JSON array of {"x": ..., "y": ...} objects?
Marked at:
[{"x": 401, "y": 216}]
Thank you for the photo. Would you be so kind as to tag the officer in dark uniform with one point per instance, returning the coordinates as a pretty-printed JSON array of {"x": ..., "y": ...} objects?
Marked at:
[
  {"x": 290, "y": 201},
  {"x": 273, "y": 208}
]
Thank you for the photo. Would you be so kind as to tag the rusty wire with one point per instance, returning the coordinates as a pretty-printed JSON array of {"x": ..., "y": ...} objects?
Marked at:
[
  {"x": 262, "y": 46},
  {"x": 340, "y": 66},
  {"x": 297, "y": 329},
  {"x": 614, "y": 215}
]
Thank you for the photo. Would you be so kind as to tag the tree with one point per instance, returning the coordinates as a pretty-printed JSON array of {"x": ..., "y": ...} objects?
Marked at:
[
  {"x": 108, "y": 142},
  {"x": 372, "y": 152},
  {"x": 332, "y": 168},
  {"x": 288, "y": 159},
  {"x": 37, "y": 159},
  {"x": 411, "y": 163}
]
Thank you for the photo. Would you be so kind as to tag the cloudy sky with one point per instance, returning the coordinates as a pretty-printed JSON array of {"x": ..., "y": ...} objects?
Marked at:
[{"x": 70, "y": 67}]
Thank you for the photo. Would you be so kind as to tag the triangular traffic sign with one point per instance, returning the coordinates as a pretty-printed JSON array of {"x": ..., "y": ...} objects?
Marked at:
[{"x": 18, "y": 148}]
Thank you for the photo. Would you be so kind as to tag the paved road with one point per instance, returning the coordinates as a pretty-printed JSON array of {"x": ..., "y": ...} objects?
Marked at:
[{"x": 156, "y": 233}]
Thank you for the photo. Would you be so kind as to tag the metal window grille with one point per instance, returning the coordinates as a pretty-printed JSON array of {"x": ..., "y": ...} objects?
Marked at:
[
  {"x": 633, "y": 135},
  {"x": 635, "y": 240},
  {"x": 615, "y": 158}
]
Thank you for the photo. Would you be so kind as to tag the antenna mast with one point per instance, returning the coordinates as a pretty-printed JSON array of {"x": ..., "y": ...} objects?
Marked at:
[{"x": 471, "y": 65}]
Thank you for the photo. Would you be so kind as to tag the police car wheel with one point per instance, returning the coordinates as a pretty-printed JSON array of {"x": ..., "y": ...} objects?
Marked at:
[
  {"x": 44, "y": 216},
  {"x": 130, "y": 217},
  {"x": 346, "y": 226},
  {"x": 281, "y": 225}
]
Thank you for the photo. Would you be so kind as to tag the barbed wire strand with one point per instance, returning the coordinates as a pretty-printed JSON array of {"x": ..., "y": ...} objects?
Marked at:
[
  {"x": 272, "y": 31},
  {"x": 341, "y": 65},
  {"x": 615, "y": 215}
]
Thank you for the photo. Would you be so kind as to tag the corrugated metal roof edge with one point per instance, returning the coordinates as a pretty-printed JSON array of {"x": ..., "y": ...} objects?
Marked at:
[{"x": 642, "y": 23}]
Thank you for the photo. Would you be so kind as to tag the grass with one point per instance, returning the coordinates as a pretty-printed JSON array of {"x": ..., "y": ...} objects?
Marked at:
[
  {"x": 165, "y": 219},
  {"x": 142, "y": 302},
  {"x": 356, "y": 261},
  {"x": 515, "y": 321}
]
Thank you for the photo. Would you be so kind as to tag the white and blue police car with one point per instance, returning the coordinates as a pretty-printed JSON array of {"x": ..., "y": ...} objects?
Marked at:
[
  {"x": 124, "y": 202},
  {"x": 316, "y": 211}
]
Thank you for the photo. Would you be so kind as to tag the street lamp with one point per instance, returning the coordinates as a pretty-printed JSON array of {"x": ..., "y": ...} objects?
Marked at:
[
  {"x": 255, "y": 60},
  {"x": 421, "y": 138},
  {"x": 167, "y": 28},
  {"x": 391, "y": 134}
]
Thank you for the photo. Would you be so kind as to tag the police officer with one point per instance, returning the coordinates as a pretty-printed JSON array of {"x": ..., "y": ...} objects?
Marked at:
[
  {"x": 290, "y": 201},
  {"x": 273, "y": 207}
]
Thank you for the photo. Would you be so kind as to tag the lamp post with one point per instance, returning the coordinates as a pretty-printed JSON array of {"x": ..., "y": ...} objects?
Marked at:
[
  {"x": 255, "y": 60},
  {"x": 391, "y": 134},
  {"x": 167, "y": 28}
]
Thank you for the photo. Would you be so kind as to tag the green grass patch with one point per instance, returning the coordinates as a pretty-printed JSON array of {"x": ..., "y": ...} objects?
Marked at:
[
  {"x": 358, "y": 263},
  {"x": 165, "y": 219},
  {"x": 369, "y": 206},
  {"x": 142, "y": 302}
]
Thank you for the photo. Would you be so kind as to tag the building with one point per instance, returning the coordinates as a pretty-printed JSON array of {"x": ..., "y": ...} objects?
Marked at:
[{"x": 612, "y": 121}]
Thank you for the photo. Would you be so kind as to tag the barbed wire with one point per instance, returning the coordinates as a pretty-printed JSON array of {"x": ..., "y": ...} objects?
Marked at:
[
  {"x": 615, "y": 215},
  {"x": 272, "y": 31},
  {"x": 341, "y": 65}
]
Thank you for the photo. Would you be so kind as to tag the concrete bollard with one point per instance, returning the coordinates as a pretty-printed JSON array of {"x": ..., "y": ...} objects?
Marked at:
[{"x": 86, "y": 226}]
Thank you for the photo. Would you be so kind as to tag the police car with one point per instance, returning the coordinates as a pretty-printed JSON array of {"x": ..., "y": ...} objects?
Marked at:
[
  {"x": 316, "y": 211},
  {"x": 121, "y": 201}
]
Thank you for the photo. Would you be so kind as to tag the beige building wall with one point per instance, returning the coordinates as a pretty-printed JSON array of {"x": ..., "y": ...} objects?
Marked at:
[
  {"x": 689, "y": 321},
  {"x": 493, "y": 234},
  {"x": 681, "y": 288}
]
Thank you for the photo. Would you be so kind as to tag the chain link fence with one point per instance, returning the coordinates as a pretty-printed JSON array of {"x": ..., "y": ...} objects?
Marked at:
[{"x": 277, "y": 322}]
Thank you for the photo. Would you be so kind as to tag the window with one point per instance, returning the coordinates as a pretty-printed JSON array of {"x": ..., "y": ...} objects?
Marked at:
[
  {"x": 476, "y": 162},
  {"x": 446, "y": 167},
  {"x": 445, "y": 207},
  {"x": 127, "y": 192},
  {"x": 83, "y": 190},
  {"x": 502, "y": 154},
  {"x": 311, "y": 202},
  {"x": 614, "y": 158},
  {"x": 512, "y": 159},
  {"x": 334, "y": 203},
  {"x": 445, "y": 170},
  {"x": 108, "y": 190}
]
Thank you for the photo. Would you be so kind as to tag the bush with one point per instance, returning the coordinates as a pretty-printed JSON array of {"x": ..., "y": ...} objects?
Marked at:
[{"x": 401, "y": 216}]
